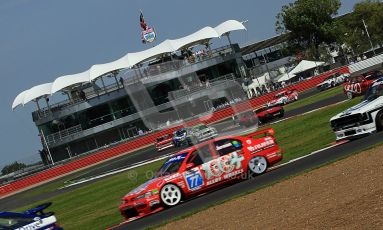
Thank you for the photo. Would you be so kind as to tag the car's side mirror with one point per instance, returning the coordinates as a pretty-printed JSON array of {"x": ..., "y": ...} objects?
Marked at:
[{"x": 189, "y": 165}]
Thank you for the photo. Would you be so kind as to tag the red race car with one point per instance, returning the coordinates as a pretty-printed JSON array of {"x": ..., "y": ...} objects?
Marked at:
[
  {"x": 358, "y": 85},
  {"x": 164, "y": 142},
  {"x": 267, "y": 113},
  {"x": 202, "y": 168},
  {"x": 284, "y": 97}
]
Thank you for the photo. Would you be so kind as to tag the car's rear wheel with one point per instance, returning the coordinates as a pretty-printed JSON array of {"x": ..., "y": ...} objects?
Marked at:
[
  {"x": 379, "y": 121},
  {"x": 349, "y": 95},
  {"x": 257, "y": 165},
  {"x": 170, "y": 195}
]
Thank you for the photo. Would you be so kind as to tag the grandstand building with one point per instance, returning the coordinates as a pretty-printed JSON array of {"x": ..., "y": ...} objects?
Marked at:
[{"x": 138, "y": 93}]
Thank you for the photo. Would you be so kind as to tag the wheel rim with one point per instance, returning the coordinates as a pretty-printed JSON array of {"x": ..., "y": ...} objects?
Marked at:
[
  {"x": 170, "y": 195},
  {"x": 258, "y": 165},
  {"x": 349, "y": 95}
]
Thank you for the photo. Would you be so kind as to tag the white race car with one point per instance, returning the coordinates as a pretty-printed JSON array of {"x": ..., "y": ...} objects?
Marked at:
[
  {"x": 332, "y": 81},
  {"x": 362, "y": 119}
]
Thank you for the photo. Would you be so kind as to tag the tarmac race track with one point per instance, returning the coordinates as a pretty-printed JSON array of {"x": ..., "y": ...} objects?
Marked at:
[
  {"x": 19, "y": 200},
  {"x": 273, "y": 176}
]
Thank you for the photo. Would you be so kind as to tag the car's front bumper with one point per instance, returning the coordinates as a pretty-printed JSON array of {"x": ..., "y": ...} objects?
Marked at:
[
  {"x": 136, "y": 209},
  {"x": 355, "y": 132}
]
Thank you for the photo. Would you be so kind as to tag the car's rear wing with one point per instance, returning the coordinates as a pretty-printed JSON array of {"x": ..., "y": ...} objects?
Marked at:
[
  {"x": 261, "y": 133},
  {"x": 39, "y": 210}
]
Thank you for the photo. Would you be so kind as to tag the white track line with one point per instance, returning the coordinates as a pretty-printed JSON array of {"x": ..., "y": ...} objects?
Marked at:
[
  {"x": 302, "y": 157},
  {"x": 139, "y": 164}
]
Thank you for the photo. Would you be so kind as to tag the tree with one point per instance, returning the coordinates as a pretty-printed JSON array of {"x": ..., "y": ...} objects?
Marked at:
[
  {"x": 309, "y": 23},
  {"x": 353, "y": 30},
  {"x": 13, "y": 167}
]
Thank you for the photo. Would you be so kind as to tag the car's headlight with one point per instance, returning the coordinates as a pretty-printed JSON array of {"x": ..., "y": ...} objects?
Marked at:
[{"x": 144, "y": 195}]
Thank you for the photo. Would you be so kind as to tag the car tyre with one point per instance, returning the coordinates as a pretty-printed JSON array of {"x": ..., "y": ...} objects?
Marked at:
[
  {"x": 170, "y": 195},
  {"x": 257, "y": 165},
  {"x": 379, "y": 121},
  {"x": 349, "y": 95}
]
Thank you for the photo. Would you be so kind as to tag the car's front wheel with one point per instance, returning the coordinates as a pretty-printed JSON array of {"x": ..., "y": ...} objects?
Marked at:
[
  {"x": 170, "y": 195},
  {"x": 349, "y": 95},
  {"x": 257, "y": 165},
  {"x": 379, "y": 121}
]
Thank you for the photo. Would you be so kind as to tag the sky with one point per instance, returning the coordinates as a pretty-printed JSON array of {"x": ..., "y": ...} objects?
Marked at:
[{"x": 41, "y": 40}]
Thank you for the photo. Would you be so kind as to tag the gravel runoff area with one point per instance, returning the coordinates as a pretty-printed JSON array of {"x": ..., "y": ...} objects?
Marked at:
[{"x": 347, "y": 194}]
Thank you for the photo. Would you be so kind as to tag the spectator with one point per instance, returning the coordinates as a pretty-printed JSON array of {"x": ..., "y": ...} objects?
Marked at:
[
  {"x": 358, "y": 59},
  {"x": 122, "y": 81},
  {"x": 82, "y": 95},
  {"x": 207, "y": 83},
  {"x": 140, "y": 132}
]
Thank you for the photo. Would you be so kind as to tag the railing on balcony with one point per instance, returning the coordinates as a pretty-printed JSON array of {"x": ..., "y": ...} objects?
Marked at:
[
  {"x": 131, "y": 76},
  {"x": 57, "y": 137}
]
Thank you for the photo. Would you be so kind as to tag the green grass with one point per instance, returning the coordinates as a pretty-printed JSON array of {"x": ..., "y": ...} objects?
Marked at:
[
  {"x": 315, "y": 98},
  {"x": 95, "y": 206},
  {"x": 304, "y": 134}
]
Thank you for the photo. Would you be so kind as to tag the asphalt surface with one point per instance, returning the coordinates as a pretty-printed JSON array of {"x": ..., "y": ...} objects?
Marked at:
[
  {"x": 256, "y": 183},
  {"x": 19, "y": 200}
]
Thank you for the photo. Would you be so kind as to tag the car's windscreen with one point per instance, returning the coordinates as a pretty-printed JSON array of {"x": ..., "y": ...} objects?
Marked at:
[
  {"x": 374, "y": 75},
  {"x": 261, "y": 109},
  {"x": 14, "y": 222},
  {"x": 180, "y": 132},
  {"x": 279, "y": 95},
  {"x": 374, "y": 92},
  {"x": 172, "y": 165}
]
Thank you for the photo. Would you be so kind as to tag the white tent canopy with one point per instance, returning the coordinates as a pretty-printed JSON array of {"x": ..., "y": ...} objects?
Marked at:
[
  {"x": 19, "y": 99},
  {"x": 228, "y": 26},
  {"x": 128, "y": 61},
  {"x": 305, "y": 65},
  {"x": 285, "y": 77},
  {"x": 69, "y": 80},
  {"x": 32, "y": 94}
]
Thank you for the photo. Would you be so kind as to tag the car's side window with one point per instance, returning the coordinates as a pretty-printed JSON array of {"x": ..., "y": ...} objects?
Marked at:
[
  {"x": 200, "y": 156},
  {"x": 227, "y": 146}
]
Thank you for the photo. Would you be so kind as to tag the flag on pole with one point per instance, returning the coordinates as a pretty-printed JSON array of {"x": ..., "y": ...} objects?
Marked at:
[
  {"x": 148, "y": 34},
  {"x": 142, "y": 22}
]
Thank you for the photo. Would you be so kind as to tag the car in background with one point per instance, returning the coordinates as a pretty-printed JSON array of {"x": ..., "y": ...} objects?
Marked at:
[
  {"x": 34, "y": 218},
  {"x": 202, "y": 168},
  {"x": 358, "y": 85},
  {"x": 268, "y": 113},
  {"x": 164, "y": 142},
  {"x": 362, "y": 119},
  {"x": 332, "y": 81},
  {"x": 193, "y": 135},
  {"x": 283, "y": 98}
]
